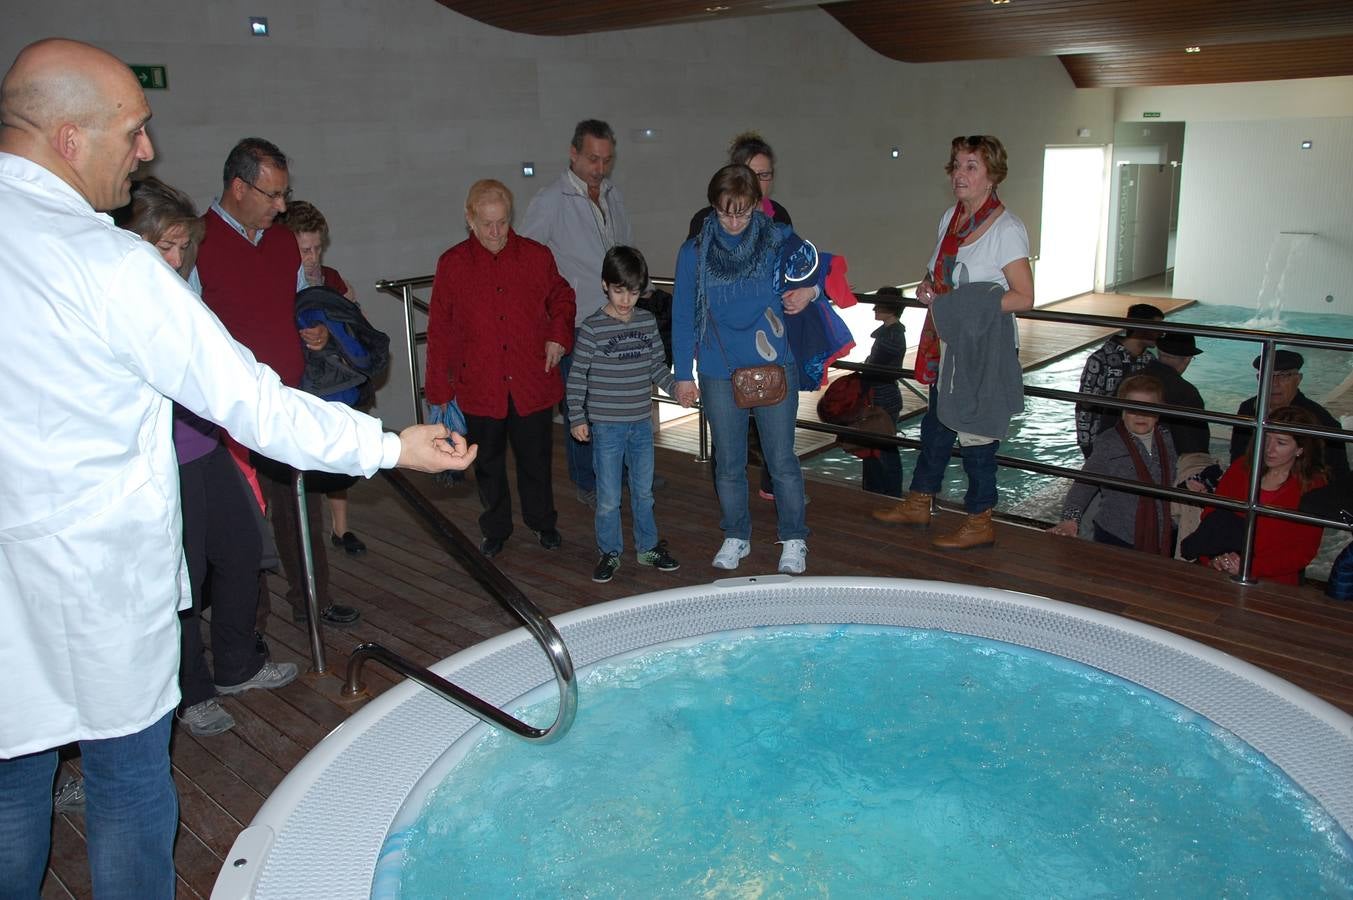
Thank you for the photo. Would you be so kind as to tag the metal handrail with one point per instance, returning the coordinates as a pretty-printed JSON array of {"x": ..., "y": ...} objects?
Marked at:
[
  {"x": 501, "y": 588},
  {"x": 1258, "y": 423}
]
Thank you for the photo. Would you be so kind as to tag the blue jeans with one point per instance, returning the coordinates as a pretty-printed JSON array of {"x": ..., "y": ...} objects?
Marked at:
[
  {"x": 131, "y": 813},
  {"x": 616, "y": 446},
  {"x": 978, "y": 462},
  {"x": 775, "y": 425},
  {"x": 577, "y": 454}
]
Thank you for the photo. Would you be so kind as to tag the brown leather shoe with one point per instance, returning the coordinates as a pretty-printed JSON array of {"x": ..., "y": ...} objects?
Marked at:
[
  {"x": 976, "y": 531},
  {"x": 913, "y": 510}
]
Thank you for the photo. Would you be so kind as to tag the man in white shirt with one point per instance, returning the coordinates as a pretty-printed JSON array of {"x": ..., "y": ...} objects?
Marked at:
[
  {"x": 100, "y": 335},
  {"x": 579, "y": 217}
]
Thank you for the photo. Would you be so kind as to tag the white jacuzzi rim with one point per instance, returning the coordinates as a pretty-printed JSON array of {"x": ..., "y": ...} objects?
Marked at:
[{"x": 257, "y": 846}]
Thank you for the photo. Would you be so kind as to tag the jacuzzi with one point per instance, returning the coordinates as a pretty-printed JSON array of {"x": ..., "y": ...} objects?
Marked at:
[{"x": 321, "y": 832}]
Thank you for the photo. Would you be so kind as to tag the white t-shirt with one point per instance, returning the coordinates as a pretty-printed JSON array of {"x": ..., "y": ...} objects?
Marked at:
[{"x": 984, "y": 259}]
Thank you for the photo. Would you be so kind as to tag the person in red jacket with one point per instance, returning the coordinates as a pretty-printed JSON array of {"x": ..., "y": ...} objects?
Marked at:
[
  {"x": 1292, "y": 464},
  {"x": 501, "y": 317}
]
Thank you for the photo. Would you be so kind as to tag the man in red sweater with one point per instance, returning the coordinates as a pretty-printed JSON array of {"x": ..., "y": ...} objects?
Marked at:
[
  {"x": 250, "y": 270},
  {"x": 501, "y": 318}
]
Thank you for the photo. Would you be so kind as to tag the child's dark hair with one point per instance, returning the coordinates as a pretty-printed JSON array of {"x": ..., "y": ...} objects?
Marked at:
[{"x": 625, "y": 267}]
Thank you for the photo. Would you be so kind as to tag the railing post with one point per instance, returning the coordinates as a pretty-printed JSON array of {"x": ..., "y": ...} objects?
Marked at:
[
  {"x": 308, "y": 576},
  {"x": 1266, "y": 362},
  {"x": 702, "y": 428},
  {"x": 411, "y": 343}
]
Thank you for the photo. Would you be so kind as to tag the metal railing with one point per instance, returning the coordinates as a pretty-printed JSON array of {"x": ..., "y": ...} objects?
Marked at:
[
  {"x": 1250, "y": 507},
  {"x": 499, "y": 586}
]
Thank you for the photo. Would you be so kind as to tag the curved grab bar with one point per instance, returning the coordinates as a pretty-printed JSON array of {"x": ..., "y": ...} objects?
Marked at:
[{"x": 502, "y": 589}]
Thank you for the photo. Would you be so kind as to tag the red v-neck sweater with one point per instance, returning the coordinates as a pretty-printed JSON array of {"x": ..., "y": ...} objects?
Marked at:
[{"x": 252, "y": 290}]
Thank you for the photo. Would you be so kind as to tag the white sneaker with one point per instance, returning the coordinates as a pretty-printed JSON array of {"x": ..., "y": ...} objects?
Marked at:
[
  {"x": 794, "y": 556},
  {"x": 731, "y": 553}
]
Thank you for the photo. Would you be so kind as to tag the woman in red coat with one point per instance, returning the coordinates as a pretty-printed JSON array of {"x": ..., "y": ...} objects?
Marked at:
[
  {"x": 500, "y": 319},
  {"x": 1292, "y": 464}
]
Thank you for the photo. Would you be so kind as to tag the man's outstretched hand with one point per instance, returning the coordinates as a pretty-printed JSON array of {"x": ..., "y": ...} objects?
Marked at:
[{"x": 425, "y": 448}]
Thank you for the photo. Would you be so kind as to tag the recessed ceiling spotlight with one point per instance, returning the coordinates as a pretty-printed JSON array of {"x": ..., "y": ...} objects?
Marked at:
[
  {"x": 716, "y": 9},
  {"x": 999, "y": 2},
  {"x": 528, "y": 170},
  {"x": 1193, "y": 49},
  {"x": 1307, "y": 145},
  {"x": 895, "y": 152},
  {"x": 258, "y": 26}
]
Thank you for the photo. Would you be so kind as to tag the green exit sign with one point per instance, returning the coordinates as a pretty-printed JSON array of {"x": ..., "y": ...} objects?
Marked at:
[
  {"x": 1145, "y": 115},
  {"x": 152, "y": 78}
]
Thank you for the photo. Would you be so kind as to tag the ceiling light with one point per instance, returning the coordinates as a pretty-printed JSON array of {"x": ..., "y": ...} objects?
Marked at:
[
  {"x": 528, "y": 170},
  {"x": 1193, "y": 49},
  {"x": 895, "y": 152},
  {"x": 258, "y": 26},
  {"x": 1307, "y": 145},
  {"x": 716, "y": 9},
  {"x": 999, "y": 2}
]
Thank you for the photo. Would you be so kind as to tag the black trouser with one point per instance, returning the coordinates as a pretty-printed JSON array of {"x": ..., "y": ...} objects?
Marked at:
[
  {"x": 279, "y": 489},
  {"x": 223, "y": 548},
  {"x": 531, "y": 437}
]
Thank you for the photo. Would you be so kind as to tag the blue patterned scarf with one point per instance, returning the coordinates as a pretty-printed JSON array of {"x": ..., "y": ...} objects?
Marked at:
[{"x": 754, "y": 258}]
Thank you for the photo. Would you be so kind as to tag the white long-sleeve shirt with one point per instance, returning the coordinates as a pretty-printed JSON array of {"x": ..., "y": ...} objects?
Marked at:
[{"x": 99, "y": 334}]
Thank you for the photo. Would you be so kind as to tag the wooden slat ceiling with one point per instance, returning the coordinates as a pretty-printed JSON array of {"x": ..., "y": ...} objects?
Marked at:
[{"x": 1102, "y": 43}]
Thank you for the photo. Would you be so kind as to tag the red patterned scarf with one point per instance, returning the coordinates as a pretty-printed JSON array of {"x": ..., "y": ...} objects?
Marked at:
[
  {"x": 927, "y": 369},
  {"x": 1153, "y": 525}
]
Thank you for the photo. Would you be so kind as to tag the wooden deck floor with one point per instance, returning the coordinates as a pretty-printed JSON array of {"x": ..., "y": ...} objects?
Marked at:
[{"x": 420, "y": 604}]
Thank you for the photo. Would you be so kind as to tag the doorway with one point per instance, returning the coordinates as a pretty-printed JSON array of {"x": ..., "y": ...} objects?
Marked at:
[{"x": 1073, "y": 220}]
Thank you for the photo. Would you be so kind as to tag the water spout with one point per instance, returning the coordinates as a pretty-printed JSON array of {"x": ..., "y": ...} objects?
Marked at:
[{"x": 1269, "y": 306}]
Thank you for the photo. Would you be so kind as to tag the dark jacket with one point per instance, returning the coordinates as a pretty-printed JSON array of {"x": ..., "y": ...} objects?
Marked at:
[
  {"x": 1190, "y": 435},
  {"x": 357, "y": 353},
  {"x": 981, "y": 384}
]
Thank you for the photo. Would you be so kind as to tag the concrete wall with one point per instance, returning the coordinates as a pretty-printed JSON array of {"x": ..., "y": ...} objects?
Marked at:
[
  {"x": 1244, "y": 184},
  {"x": 389, "y": 110}
]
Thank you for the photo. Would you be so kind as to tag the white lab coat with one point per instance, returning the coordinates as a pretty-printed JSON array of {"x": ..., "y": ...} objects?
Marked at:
[{"x": 96, "y": 334}]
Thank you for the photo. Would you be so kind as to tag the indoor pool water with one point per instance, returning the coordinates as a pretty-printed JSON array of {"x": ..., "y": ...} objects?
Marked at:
[{"x": 867, "y": 761}]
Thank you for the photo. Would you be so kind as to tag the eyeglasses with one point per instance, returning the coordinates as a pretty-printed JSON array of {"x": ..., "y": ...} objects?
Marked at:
[
  {"x": 736, "y": 217},
  {"x": 273, "y": 196},
  {"x": 766, "y": 175}
]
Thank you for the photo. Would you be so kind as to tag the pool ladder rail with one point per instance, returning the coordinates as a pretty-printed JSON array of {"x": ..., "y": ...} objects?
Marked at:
[{"x": 507, "y": 593}]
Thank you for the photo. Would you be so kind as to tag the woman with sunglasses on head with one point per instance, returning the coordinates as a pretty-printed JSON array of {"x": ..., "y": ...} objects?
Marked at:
[{"x": 979, "y": 275}]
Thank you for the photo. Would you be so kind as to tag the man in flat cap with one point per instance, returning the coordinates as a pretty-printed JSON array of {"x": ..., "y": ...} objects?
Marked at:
[{"x": 1284, "y": 390}]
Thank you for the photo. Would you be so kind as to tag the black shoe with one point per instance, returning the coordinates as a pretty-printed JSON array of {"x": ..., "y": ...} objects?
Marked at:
[
  {"x": 550, "y": 538},
  {"x": 606, "y": 567},
  {"x": 350, "y": 543},
  {"x": 659, "y": 558},
  {"x": 491, "y": 547},
  {"x": 333, "y": 614}
]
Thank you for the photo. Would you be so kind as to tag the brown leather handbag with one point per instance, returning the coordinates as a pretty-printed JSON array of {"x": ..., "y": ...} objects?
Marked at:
[{"x": 758, "y": 386}]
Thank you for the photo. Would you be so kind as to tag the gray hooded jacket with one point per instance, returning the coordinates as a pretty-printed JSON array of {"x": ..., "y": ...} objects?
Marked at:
[{"x": 981, "y": 384}]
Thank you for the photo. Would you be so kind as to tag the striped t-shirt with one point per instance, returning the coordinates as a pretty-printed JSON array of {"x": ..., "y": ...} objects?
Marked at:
[{"x": 615, "y": 365}]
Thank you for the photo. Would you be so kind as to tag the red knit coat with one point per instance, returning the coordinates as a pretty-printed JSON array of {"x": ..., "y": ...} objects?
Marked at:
[
  {"x": 252, "y": 290},
  {"x": 1282, "y": 549},
  {"x": 489, "y": 319}
]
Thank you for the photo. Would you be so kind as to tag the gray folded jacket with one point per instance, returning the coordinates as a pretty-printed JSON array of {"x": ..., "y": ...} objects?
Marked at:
[{"x": 981, "y": 384}]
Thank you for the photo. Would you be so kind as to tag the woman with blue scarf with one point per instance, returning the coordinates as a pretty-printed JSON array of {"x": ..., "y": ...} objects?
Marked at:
[{"x": 737, "y": 281}]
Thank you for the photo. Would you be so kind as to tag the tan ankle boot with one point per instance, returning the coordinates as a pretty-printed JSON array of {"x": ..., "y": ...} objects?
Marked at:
[
  {"x": 976, "y": 531},
  {"x": 913, "y": 510}
]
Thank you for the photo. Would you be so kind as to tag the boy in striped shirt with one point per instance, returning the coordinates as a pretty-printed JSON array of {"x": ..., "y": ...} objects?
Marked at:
[{"x": 617, "y": 358}]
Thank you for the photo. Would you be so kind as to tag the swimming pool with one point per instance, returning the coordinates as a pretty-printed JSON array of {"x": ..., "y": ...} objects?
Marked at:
[
  {"x": 321, "y": 831},
  {"x": 839, "y": 760}
]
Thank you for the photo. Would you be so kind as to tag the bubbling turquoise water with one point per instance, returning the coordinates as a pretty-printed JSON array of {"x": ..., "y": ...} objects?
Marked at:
[{"x": 867, "y": 761}]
